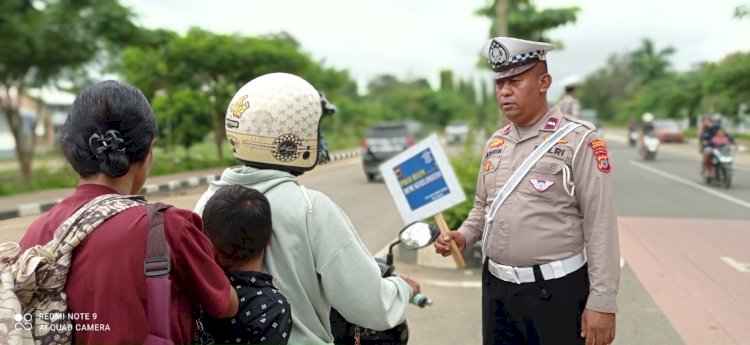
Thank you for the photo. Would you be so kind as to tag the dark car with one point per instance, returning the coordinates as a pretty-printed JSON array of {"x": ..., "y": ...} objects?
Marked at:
[
  {"x": 386, "y": 140},
  {"x": 668, "y": 131}
]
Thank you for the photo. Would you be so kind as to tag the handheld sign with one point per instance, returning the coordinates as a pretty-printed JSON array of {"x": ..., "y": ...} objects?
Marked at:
[{"x": 423, "y": 184}]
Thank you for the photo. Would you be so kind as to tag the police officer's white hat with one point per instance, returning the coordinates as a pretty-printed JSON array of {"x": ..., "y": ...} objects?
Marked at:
[
  {"x": 571, "y": 81},
  {"x": 510, "y": 56}
]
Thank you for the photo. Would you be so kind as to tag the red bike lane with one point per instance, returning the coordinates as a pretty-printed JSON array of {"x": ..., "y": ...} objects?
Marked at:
[{"x": 698, "y": 273}]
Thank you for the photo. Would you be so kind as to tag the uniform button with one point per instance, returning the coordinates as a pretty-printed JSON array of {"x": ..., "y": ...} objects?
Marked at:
[
  {"x": 552, "y": 168},
  {"x": 512, "y": 169}
]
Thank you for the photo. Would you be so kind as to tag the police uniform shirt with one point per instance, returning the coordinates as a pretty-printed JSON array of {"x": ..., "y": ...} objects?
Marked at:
[
  {"x": 569, "y": 105},
  {"x": 264, "y": 315},
  {"x": 541, "y": 221}
]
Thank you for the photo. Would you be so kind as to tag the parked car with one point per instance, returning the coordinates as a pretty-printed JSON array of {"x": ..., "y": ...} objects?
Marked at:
[
  {"x": 386, "y": 140},
  {"x": 456, "y": 132},
  {"x": 668, "y": 131}
]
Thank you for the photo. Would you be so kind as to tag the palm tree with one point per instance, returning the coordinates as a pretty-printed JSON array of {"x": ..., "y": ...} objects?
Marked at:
[{"x": 648, "y": 64}]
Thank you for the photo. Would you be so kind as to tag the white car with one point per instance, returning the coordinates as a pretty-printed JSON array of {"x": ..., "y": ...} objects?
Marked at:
[{"x": 456, "y": 132}]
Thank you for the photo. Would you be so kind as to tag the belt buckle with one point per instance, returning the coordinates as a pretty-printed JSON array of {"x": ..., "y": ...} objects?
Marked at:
[{"x": 511, "y": 274}]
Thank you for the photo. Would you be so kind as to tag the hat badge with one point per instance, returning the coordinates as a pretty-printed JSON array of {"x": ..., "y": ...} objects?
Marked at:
[{"x": 498, "y": 54}]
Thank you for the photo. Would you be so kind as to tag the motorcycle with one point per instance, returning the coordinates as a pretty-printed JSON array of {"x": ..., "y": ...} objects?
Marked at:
[
  {"x": 323, "y": 156},
  {"x": 413, "y": 236},
  {"x": 650, "y": 147},
  {"x": 632, "y": 136},
  {"x": 721, "y": 163}
]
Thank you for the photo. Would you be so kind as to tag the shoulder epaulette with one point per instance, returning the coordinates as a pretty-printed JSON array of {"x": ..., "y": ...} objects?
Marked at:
[{"x": 585, "y": 123}]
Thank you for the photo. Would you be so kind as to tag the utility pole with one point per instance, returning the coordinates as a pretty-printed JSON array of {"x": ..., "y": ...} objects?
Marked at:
[
  {"x": 501, "y": 23},
  {"x": 501, "y": 12}
]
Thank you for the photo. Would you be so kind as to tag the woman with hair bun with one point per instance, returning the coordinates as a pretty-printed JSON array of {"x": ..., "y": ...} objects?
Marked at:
[{"x": 108, "y": 139}]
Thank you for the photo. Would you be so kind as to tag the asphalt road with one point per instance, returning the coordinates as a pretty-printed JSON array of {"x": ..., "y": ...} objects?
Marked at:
[{"x": 677, "y": 286}]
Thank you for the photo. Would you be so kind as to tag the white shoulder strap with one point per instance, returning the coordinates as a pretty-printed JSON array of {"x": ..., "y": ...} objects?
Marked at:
[{"x": 515, "y": 179}]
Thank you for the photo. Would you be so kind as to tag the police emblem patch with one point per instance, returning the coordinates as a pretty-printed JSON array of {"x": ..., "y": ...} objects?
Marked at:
[
  {"x": 498, "y": 54},
  {"x": 541, "y": 185},
  {"x": 551, "y": 123}
]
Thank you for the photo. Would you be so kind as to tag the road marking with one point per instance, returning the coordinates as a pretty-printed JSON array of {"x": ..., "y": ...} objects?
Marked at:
[
  {"x": 692, "y": 184},
  {"x": 743, "y": 267}
]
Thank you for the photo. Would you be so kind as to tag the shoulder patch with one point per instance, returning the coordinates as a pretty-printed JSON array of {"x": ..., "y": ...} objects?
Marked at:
[
  {"x": 601, "y": 155},
  {"x": 497, "y": 142},
  {"x": 551, "y": 123}
]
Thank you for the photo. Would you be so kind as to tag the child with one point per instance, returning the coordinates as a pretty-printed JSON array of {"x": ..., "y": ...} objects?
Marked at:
[
  {"x": 721, "y": 138},
  {"x": 238, "y": 222}
]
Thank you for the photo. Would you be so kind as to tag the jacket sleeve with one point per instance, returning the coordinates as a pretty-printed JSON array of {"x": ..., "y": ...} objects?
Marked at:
[
  {"x": 594, "y": 191},
  {"x": 349, "y": 275},
  {"x": 473, "y": 226}
]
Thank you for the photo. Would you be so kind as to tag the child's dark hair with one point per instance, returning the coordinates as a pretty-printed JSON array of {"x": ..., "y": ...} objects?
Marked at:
[
  {"x": 110, "y": 126},
  {"x": 238, "y": 222}
]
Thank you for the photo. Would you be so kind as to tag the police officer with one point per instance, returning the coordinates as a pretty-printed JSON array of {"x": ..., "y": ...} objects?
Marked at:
[
  {"x": 551, "y": 254},
  {"x": 569, "y": 104}
]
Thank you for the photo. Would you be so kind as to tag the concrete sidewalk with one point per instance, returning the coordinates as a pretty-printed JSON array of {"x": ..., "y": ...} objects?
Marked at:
[{"x": 21, "y": 205}]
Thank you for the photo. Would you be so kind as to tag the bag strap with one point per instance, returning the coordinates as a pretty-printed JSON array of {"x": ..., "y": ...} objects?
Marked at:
[
  {"x": 157, "y": 263},
  {"x": 515, "y": 179},
  {"x": 156, "y": 267}
]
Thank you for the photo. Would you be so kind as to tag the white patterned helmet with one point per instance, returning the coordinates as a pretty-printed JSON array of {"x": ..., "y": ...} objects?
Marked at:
[{"x": 272, "y": 122}]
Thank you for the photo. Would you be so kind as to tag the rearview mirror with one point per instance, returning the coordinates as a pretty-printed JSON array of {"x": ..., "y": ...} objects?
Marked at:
[{"x": 419, "y": 234}]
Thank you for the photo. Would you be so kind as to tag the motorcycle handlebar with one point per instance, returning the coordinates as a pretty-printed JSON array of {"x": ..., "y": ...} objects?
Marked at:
[{"x": 420, "y": 300}]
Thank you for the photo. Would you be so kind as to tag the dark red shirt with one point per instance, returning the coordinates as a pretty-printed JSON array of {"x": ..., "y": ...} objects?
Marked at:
[{"x": 106, "y": 275}]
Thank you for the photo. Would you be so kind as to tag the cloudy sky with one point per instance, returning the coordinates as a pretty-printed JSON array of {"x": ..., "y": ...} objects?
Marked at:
[{"x": 417, "y": 38}]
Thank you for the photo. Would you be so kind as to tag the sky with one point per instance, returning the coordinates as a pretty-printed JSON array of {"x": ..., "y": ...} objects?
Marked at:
[{"x": 418, "y": 38}]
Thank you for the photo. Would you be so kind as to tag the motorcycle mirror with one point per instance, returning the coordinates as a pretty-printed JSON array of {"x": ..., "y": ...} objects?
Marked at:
[{"x": 418, "y": 234}]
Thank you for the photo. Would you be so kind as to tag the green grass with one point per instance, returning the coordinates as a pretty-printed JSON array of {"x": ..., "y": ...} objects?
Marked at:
[{"x": 200, "y": 156}]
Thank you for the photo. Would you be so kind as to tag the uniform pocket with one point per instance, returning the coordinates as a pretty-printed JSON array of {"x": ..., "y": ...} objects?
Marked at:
[{"x": 543, "y": 177}]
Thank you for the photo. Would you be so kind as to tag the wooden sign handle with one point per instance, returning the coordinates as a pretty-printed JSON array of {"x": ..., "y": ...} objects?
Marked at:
[{"x": 457, "y": 256}]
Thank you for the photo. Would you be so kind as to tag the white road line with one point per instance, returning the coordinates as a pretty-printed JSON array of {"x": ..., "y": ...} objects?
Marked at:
[
  {"x": 692, "y": 184},
  {"x": 739, "y": 266}
]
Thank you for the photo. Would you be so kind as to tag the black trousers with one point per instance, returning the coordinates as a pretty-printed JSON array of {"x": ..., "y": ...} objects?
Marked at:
[{"x": 545, "y": 312}]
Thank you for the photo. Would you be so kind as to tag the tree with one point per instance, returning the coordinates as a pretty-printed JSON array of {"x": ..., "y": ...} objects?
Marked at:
[
  {"x": 649, "y": 64},
  {"x": 446, "y": 80},
  {"x": 741, "y": 11},
  {"x": 218, "y": 65},
  {"x": 726, "y": 84},
  {"x": 526, "y": 21},
  {"x": 606, "y": 88},
  {"x": 187, "y": 110},
  {"x": 42, "y": 39}
]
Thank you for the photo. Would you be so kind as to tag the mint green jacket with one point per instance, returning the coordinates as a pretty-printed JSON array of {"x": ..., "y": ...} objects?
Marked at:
[{"x": 318, "y": 259}]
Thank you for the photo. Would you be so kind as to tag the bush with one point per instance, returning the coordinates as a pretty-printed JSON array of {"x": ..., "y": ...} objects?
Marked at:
[{"x": 466, "y": 167}]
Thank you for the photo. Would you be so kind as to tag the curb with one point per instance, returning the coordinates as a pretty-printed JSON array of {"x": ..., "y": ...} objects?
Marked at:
[{"x": 169, "y": 186}]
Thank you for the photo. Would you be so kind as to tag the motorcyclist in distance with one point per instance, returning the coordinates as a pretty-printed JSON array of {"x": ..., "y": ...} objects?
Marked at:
[
  {"x": 272, "y": 124},
  {"x": 647, "y": 127},
  {"x": 707, "y": 142}
]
